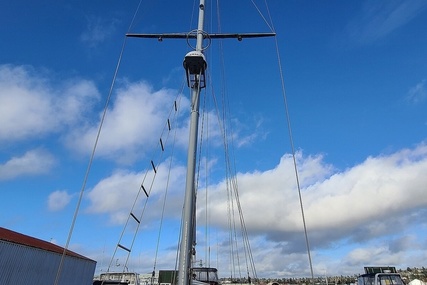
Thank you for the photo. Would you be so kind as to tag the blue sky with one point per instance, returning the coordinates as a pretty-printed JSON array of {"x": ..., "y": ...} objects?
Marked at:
[{"x": 356, "y": 84}]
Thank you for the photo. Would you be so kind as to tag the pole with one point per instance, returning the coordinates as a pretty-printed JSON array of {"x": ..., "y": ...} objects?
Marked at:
[{"x": 189, "y": 219}]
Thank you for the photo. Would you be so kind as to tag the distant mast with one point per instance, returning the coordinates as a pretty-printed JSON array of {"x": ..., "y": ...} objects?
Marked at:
[{"x": 195, "y": 66}]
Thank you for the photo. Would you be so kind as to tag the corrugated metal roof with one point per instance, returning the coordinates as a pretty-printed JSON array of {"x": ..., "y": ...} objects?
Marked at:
[{"x": 11, "y": 236}]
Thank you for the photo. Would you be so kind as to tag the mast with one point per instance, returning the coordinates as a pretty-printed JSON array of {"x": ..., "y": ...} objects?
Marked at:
[{"x": 195, "y": 65}]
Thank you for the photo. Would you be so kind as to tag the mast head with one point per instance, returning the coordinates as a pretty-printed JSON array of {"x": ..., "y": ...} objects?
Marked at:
[{"x": 195, "y": 66}]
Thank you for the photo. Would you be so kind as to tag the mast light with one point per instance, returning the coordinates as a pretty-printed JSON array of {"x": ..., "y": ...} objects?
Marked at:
[{"x": 195, "y": 66}]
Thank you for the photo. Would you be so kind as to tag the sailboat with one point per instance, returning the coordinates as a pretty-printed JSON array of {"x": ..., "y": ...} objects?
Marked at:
[{"x": 195, "y": 65}]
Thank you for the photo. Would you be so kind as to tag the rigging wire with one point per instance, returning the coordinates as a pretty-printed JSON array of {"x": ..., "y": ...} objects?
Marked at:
[
  {"x": 229, "y": 170},
  {"x": 288, "y": 120},
  {"x": 92, "y": 156},
  {"x": 199, "y": 157},
  {"x": 230, "y": 174},
  {"x": 165, "y": 197},
  {"x": 262, "y": 15},
  {"x": 221, "y": 118},
  {"x": 167, "y": 127},
  {"x": 205, "y": 118},
  {"x": 226, "y": 146},
  {"x": 91, "y": 162}
]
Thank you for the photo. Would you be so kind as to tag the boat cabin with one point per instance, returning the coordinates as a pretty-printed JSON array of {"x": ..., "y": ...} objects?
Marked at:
[
  {"x": 206, "y": 275},
  {"x": 118, "y": 278},
  {"x": 380, "y": 276}
]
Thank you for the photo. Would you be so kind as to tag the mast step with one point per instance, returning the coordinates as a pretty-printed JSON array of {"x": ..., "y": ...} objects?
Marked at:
[
  {"x": 136, "y": 219},
  {"x": 122, "y": 247}
]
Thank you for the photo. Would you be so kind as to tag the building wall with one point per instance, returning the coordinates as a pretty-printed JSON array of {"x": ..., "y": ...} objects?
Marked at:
[{"x": 21, "y": 264}]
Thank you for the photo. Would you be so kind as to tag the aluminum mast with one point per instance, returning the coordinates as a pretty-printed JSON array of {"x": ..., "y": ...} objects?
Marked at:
[{"x": 195, "y": 67}]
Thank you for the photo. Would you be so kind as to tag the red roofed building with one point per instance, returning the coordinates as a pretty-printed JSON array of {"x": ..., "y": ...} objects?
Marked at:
[{"x": 28, "y": 260}]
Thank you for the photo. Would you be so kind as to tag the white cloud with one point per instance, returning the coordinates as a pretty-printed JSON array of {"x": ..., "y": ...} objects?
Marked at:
[
  {"x": 75, "y": 99},
  {"x": 116, "y": 194},
  {"x": 132, "y": 125},
  {"x": 367, "y": 211},
  {"x": 379, "y": 19},
  {"x": 418, "y": 93},
  {"x": 98, "y": 30},
  {"x": 245, "y": 135},
  {"x": 361, "y": 204},
  {"x": 58, "y": 200},
  {"x": 33, "y": 162},
  {"x": 32, "y": 106}
]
